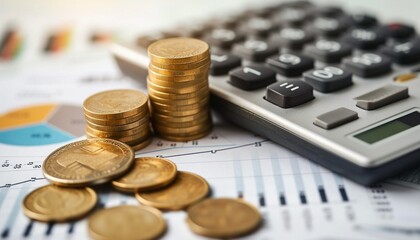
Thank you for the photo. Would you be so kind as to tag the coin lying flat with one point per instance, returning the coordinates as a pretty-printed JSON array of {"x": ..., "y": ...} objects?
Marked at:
[
  {"x": 223, "y": 218},
  {"x": 126, "y": 222},
  {"x": 187, "y": 189},
  {"x": 54, "y": 203},
  {"x": 147, "y": 173},
  {"x": 114, "y": 104},
  {"x": 86, "y": 162}
]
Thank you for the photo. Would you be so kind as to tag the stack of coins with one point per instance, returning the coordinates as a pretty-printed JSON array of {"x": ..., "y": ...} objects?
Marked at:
[
  {"x": 121, "y": 115},
  {"x": 178, "y": 88}
]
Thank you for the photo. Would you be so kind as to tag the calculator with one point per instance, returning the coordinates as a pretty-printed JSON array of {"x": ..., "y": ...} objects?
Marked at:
[{"x": 339, "y": 88}]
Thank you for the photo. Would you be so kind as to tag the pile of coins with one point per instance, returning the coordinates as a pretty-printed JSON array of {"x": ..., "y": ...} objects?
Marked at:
[
  {"x": 156, "y": 183},
  {"x": 178, "y": 88},
  {"x": 121, "y": 115}
]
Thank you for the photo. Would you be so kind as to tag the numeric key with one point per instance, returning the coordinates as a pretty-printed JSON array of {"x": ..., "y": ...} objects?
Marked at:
[
  {"x": 254, "y": 50},
  {"x": 252, "y": 77},
  {"x": 328, "y": 51},
  {"x": 368, "y": 65},
  {"x": 290, "y": 64},
  {"x": 222, "y": 63},
  {"x": 223, "y": 38},
  {"x": 365, "y": 38},
  {"x": 291, "y": 38},
  {"x": 328, "y": 79},
  {"x": 404, "y": 53},
  {"x": 287, "y": 94}
]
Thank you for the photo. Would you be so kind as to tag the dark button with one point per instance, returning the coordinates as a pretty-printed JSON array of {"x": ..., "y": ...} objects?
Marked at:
[
  {"x": 291, "y": 38},
  {"x": 288, "y": 94},
  {"x": 364, "y": 20},
  {"x": 222, "y": 63},
  {"x": 252, "y": 77},
  {"x": 290, "y": 17},
  {"x": 328, "y": 51},
  {"x": 365, "y": 38},
  {"x": 368, "y": 65},
  {"x": 290, "y": 64},
  {"x": 331, "y": 11},
  {"x": 328, "y": 79},
  {"x": 223, "y": 38},
  {"x": 381, "y": 97},
  {"x": 400, "y": 31},
  {"x": 330, "y": 27},
  {"x": 257, "y": 26},
  {"x": 254, "y": 50},
  {"x": 335, "y": 118},
  {"x": 404, "y": 53}
]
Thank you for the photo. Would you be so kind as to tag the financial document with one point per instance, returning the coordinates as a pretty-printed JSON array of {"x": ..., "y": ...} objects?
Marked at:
[{"x": 297, "y": 198}]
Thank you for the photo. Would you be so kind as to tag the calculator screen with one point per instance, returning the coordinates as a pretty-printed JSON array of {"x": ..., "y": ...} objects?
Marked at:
[{"x": 390, "y": 128}]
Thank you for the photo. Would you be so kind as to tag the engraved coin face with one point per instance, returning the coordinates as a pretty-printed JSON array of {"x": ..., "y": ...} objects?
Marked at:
[
  {"x": 223, "y": 218},
  {"x": 115, "y": 104},
  {"x": 178, "y": 50},
  {"x": 54, "y": 203},
  {"x": 90, "y": 161},
  {"x": 187, "y": 189},
  {"x": 147, "y": 173},
  {"x": 126, "y": 222}
]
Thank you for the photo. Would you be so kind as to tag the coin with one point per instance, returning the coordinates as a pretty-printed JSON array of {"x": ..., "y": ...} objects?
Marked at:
[
  {"x": 169, "y": 84},
  {"x": 176, "y": 79},
  {"x": 186, "y": 130},
  {"x": 175, "y": 107},
  {"x": 183, "y": 124},
  {"x": 200, "y": 70},
  {"x": 86, "y": 162},
  {"x": 59, "y": 204},
  {"x": 181, "y": 102},
  {"x": 176, "y": 90},
  {"x": 177, "y": 113},
  {"x": 141, "y": 144},
  {"x": 126, "y": 222},
  {"x": 104, "y": 134},
  {"x": 188, "y": 188},
  {"x": 115, "y": 104},
  {"x": 178, "y": 50},
  {"x": 148, "y": 173},
  {"x": 205, "y": 91},
  {"x": 223, "y": 218},
  {"x": 187, "y": 137},
  {"x": 170, "y": 119},
  {"x": 124, "y": 139},
  {"x": 118, "y": 128},
  {"x": 119, "y": 121},
  {"x": 183, "y": 66}
]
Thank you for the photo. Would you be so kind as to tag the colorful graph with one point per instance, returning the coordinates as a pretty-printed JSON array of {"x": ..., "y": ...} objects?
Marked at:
[{"x": 41, "y": 125}]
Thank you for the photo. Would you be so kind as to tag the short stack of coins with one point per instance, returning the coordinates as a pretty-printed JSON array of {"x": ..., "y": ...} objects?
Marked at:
[
  {"x": 122, "y": 115},
  {"x": 178, "y": 88}
]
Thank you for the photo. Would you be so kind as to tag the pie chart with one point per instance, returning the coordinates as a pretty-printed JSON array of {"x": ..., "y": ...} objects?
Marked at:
[{"x": 41, "y": 125}]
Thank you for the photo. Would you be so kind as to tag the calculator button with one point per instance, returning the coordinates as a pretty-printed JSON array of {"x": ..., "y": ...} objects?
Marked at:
[
  {"x": 254, "y": 50},
  {"x": 290, "y": 64},
  {"x": 365, "y": 38},
  {"x": 331, "y": 11},
  {"x": 290, "y": 17},
  {"x": 400, "y": 31},
  {"x": 364, "y": 20},
  {"x": 288, "y": 94},
  {"x": 328, "y": 79},
  {"x": 222, "y": 63},
  {"x": 381, "y": 97},
  {"x": 330, "y": 27},
  {"x": 328, "y": 51},
  {"x": 258, "y": 26},
  {"x": 335, "y": 118},
  {"x": 403, "y": 53},
  {"x": 291, "y": 38},
  {"x": 252, "y": 77},
  {"x": 223, "y": 38},
  {"x": 368, "y": 65}
]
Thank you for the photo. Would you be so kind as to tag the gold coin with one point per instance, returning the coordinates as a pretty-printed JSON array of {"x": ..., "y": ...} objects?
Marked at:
[
  {"x": 178, "y": 50},
  {"x": 142, "y": 144},
  {"x": 172, "y": 73},
  {"x": 184, "y": 78},
  {"x": 148, "y": 173},
  {"x": 183, "y": 66},
  {"x": 176, "y": 90},
  {"x": 175, "y": 107},
  {"x": 59, "y": 204},
  {"x": 115, "y": 104},
  {"x": 205, "y": 91},
  {"x": 178, "y": 113},
  {"x": 181, "y": 102},
  {"x": 164, "y": 118},
  {"x": 177, "y": 138},
  {"x": 125, "y": 139},
  {"x": 126, "y": 222},
  {"x": 223, "y": 218},
  {"x": 182, "y": 124},
  {"x": 171, "y": 84},
  {"x": 188, "y": 188},
  {"x": 103, "y": 134},
  {"x": 118, "y": 128},
  {"x": 120, "y": 121},
  {"x": 86, "y": 162},
  {"x": 186, "y": 130},
  {"x": 139, "y": 139}
]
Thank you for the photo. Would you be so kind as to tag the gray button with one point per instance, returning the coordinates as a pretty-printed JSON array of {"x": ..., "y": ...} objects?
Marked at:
[
  {"x": 381, "y": 97},
  {"x": 335, "y": 118}
]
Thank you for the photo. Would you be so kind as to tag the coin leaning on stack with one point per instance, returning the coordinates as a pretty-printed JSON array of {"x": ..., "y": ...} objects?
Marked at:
[
  {"x": 122, "y": 115},
  {"x": 178, "y": 88}
]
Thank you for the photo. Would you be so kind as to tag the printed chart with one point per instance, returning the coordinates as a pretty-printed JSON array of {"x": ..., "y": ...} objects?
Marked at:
[{"x": 41, "y": 125}]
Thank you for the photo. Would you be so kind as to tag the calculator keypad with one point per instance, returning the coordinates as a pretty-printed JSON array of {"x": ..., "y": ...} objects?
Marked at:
[
  {"x": 252, "y": 77},
  {"x": 368, "y": 65},
  {"x": 287, "y": 94},
  {"x": 290, "y": 64}
]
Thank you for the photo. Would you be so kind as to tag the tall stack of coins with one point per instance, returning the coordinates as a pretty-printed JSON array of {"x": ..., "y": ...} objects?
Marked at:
[
  {"x": 178, "y": 88},
  {"x": 121, "y": 115}
]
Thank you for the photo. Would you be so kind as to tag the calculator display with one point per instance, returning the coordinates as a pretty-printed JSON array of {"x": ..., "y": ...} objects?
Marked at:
[{"x": 390, "y": 128}]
